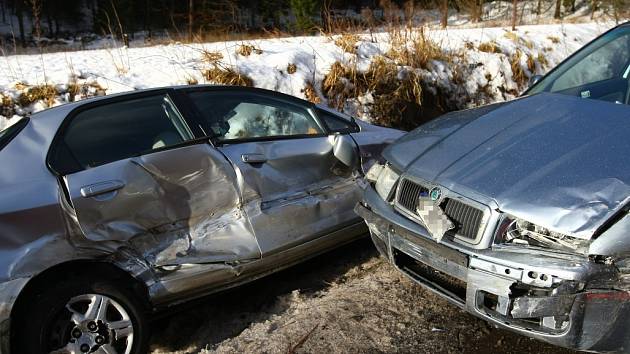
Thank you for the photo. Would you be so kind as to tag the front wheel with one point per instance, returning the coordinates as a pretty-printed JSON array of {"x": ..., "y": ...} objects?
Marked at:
[{"x": 82, "y": 317}]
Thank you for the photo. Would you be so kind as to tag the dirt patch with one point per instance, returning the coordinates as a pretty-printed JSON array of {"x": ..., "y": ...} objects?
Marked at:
[{"x": 347, "y": 301}]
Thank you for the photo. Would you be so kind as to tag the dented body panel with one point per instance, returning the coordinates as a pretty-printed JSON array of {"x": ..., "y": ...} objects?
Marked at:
[
  {"x": 544, "y": 183},
  {"x": 184, "y": 221}
]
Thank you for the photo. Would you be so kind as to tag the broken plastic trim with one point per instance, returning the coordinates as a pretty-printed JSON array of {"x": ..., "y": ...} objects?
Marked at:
[{"x": 517, "y": 231}]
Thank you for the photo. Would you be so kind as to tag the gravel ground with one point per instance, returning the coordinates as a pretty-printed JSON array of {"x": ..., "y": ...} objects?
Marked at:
[{"x": 346, "y": 301}]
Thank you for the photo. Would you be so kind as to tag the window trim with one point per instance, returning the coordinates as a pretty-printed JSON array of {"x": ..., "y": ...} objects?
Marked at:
[
  {"x": 355, "y": 127},
  {"x": 264, "y": 94},
  {"x": 58, "y": 138}
]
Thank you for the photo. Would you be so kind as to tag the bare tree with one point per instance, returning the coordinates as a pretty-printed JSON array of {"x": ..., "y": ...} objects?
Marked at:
[
  {"x": 444, "y": 13},
  {"x": 36, "y": 7},
  {"x": 514, "y": 14},
  {"x": 594, "y": 5},
  {"x": 190, "y": 20},
  {"x": 557, "y": 14}
]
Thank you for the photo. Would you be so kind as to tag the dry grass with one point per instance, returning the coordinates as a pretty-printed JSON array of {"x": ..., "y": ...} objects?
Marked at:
[
  {"x": 7, "y": 106},
  {"x": 514, "y": 37},
  {"x": 45, "y": 93},
  {"x": 310, "y": 93},
  {"x": 291, "y": 68},
  {"x": 211, "y": 57},
  {"x": 419, "y": 53},
  {"x": 531, "y": 64},
  {"x": 542, "y": 60},
  {"x": 84, "y": 90},
  {"x": 348, "y": 42},
  {"x": 227, "y": 76},
  {"x": 490, "y": 47},
  {"x": 394, "y": 89},
  {"x": 553, "y": 39},
  {"x": 518, "y": 73},
  {"x": 247, "y": 50}
]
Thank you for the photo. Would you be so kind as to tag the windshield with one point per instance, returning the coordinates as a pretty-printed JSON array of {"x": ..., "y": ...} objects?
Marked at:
[
  {"x": 598, "y": 71},
  {"x": 9, "y": 133}
]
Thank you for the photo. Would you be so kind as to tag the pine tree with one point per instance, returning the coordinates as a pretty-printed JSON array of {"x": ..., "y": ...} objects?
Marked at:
[{"x": 305, "y": 11}]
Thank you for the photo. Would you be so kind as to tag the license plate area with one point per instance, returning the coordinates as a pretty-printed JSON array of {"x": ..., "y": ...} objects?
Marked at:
[{"x": 447, "y": 285}]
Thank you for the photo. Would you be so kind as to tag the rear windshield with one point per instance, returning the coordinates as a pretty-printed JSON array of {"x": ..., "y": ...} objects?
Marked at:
[{"x": 11, "y": 132}]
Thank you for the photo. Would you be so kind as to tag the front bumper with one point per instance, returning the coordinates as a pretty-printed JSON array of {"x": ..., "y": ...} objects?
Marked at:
[{"x": 513, "y": 289}]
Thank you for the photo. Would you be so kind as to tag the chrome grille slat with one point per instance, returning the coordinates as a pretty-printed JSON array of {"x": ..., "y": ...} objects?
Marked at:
[{"x": 467, "y": 218}]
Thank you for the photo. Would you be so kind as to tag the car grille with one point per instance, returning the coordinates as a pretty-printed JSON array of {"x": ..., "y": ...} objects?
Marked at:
[
  {"x": 409, "y": 194},
  {"x": 467, "y": 219}
]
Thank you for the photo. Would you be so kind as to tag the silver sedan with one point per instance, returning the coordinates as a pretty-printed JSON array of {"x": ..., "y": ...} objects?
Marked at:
[
  {"x": 118, "y": 206},
  {"x": 519, "y": 212}
]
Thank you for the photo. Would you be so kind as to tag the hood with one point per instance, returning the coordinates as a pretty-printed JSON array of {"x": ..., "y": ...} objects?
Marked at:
[{"x": 558, "y": 161}]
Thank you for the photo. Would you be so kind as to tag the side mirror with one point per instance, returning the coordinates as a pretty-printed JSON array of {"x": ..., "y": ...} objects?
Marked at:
[
  {"x": 534, "y": 79},
  {"x": 345, "y": 150}
]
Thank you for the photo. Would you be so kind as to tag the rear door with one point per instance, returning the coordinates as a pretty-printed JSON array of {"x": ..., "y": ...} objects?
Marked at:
[
  {"x": 135, "y": 174},
  {"x": 293, "y": 188}
]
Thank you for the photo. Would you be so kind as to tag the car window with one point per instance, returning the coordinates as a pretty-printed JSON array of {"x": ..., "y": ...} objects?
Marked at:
[
  {"x": 11, "y": 132},
  {"x": 229, "y": 116},
  {"x": 601, "y": 70},
  {"x": 607, "y": 62},
  {"x": 119, "y": 130},
  {"x": 337, "y": 124}
]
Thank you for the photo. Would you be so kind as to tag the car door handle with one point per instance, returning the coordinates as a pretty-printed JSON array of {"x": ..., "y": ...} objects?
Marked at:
[
  {"x": 253, "y": 158},
  {"x": 95, "y": 189}
]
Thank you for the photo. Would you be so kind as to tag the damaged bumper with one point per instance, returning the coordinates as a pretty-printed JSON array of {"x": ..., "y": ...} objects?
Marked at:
[{"x": 540, "y": 296}]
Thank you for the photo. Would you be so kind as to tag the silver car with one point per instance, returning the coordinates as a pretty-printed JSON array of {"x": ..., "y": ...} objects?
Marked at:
[
  {"x": 117, "y": 206},
  {"x": 519, "y": 212}
]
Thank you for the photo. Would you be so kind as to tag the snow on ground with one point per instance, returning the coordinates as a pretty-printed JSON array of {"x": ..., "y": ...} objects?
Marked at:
[{"x": 120, "y": 69}]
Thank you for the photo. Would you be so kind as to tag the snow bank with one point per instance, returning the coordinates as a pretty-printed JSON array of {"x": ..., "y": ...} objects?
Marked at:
[{"x": 486, "y": 77}]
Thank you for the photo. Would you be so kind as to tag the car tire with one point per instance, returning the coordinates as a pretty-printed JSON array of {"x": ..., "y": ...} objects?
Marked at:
[{"x": 81, "y": 315}]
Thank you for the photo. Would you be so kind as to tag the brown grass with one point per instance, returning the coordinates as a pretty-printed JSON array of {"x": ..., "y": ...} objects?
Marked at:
[
  {"x": 553, "y": 39},
  {"x": 46, "y": 93},
  {"x": 490, "y": 47},
  {"x": 394, "y": 89},
  {"x": 514, "y": 37},
  {"x": 518, "y": 74},
  {"x": 7, "y": 106},
  {"x": 348, "y": 42},
  {"x": 542, "y": 60},
  {"x": 419, "y": 53},
  {"x": 247, "y": 50},
  {"x": 310, "y": 93},
  {"x": 291, "y": 68},
  {"x": 84, "y": 90},
  {"x": 211, "y": 57},
  {"x": 227, "y": 76},
  {"x": 531, "y": 64}
]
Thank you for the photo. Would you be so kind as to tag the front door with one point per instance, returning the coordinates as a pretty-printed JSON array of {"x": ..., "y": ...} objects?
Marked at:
[
  {"x": 135, "y": 175},
  {"x": 293, "y": 187}
]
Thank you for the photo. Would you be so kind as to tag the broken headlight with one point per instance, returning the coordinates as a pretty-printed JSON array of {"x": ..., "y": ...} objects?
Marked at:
[
  {"x": 517, "y": 231},
  {"x": 385, "y": 178}
]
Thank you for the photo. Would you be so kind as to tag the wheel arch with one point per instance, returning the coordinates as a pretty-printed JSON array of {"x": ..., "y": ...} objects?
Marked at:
[{"x": 80, "y": 268}]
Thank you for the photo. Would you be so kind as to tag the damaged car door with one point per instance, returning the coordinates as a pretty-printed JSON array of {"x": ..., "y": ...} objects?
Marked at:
[
  {"x": 135, "y": 174},
  {"x": 294, "y": 188}
]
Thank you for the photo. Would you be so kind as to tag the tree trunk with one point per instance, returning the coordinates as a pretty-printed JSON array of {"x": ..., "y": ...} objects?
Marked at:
[
  {"x": 190, "y": 20},
  {"x": 20, "y": 17},
  {"x": 444, "y": 10},
  {"x": 557, "y": 14},
  {"x": 514, "y": 14},
  {"x": 593, "y": 8}
]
